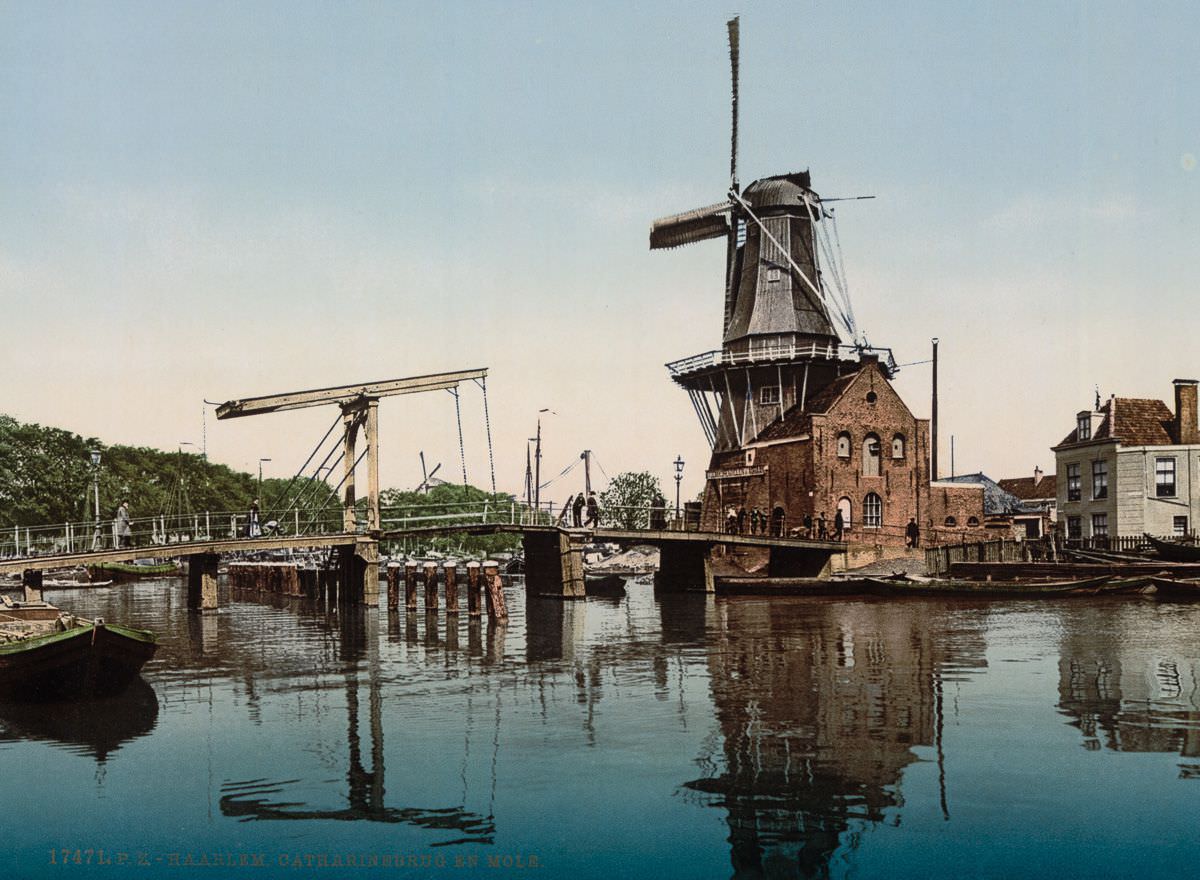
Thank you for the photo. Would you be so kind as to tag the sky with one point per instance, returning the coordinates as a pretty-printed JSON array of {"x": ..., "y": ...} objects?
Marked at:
[{"x": 208, "y": 201}]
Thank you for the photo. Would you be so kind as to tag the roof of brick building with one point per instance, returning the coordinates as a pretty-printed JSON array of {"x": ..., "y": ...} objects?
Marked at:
[
  {"x": 798, "y": 420},
  {"x": 1027, "y": 490},
  {"x": 1133, "y": 421}
]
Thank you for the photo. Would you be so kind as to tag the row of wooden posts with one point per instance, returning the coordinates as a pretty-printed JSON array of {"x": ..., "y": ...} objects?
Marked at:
[
  {"x": 483, "y": 583},
  {"x": 482, "y": 579}
]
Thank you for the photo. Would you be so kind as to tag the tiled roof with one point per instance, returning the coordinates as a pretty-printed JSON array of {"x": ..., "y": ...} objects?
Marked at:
[
  {"x": 798, "y": 421},
  {"x": 1133, "y": 421},
  {"x": 1025, "y": 489}
]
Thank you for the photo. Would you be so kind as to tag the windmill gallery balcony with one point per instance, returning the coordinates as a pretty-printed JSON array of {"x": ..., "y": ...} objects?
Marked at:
[{"x": 759, "y": 354}]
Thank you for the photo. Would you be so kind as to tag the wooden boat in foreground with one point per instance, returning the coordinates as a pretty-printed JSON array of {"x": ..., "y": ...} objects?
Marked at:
[
  {"x": 46, "y": 654},
  {"x": 1015, "y": 589}
]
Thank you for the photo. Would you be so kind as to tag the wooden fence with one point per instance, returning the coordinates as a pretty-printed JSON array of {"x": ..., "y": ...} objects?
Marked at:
[{"x": 938, "y": 559}]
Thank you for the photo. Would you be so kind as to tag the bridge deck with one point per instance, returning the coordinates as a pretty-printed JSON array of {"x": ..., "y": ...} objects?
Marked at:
[
  {"x": 173, "y": 551},
  {"x": 622, "y": 536}
]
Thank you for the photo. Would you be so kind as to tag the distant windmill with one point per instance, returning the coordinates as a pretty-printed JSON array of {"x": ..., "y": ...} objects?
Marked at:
[
  {"x": 428, "y": 480},
  {"x": 789, "y": 329}
]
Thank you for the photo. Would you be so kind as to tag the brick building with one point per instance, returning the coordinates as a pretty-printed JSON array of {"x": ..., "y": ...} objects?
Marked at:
[
  {"x": 854, "y": 446},
  {"x": 1038, "y": 513}
]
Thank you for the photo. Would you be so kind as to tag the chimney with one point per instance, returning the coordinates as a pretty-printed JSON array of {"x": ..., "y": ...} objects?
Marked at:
[
  {"x": 1186, "y": 428},
  {"x": 1037, "y": 475}
]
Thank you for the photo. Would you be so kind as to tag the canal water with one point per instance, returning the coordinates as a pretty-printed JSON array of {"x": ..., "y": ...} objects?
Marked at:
[{"x": 661, "y": 737}]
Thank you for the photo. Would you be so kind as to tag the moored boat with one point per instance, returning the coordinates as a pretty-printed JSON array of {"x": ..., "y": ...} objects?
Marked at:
[
  {"x": 121, "y": 572},
  {"x": 1174, "y": 551},
  {"x": 933, "y": 586},
  {"x": 46, "y": 654},
  {"x": 1175, "y": 589}
]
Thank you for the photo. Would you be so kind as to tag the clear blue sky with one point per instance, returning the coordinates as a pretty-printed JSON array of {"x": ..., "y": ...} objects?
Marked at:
[{"x": 226, "y": 199}]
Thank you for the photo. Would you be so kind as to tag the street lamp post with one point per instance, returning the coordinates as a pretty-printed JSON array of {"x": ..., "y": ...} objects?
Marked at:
[
  {"x": 260, "y": 464},
  {"x": 95, "y": 453},
  {"x": 678, "y": 480}
]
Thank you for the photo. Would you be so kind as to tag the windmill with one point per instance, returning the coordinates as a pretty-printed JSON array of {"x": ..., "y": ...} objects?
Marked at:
[
  {"x": 428, "y": 481},
  {"x": 789, "y": 329}
]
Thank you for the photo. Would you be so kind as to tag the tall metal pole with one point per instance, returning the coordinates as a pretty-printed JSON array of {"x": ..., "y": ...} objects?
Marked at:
[
  {"x": 933, "y": 445},
  {"x": 537, "y": 469},
  {"x": 586, "y": 455},
  {"x": 96, "y": 506}
]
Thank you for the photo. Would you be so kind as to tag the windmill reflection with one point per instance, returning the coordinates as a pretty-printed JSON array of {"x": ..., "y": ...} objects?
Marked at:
[{"x": 820, "y": 705}]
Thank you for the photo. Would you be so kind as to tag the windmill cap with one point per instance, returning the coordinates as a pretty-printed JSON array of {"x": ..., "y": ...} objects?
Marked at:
[{"x": 782, "y": 191}]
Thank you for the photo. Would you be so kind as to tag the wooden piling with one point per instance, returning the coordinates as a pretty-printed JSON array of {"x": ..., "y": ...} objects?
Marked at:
[
  {"x": 410, "y": 585},
  {"x": 431, "y": 596},
  {"x": 497, "y": 610},
  {"x": 450, "y": 567},
  {"x": 473, "y": 609},
  {"x": 393, "y": 586}
]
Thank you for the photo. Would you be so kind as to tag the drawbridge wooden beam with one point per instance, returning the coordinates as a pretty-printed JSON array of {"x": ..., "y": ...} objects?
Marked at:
[{"x": 345, "y": 394}]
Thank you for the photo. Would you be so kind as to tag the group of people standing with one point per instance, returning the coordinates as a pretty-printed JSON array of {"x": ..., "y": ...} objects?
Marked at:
[
  {"x": 739, "y": 522},
  {"x": 818, "y": 529},
  {"x": 576, "y": 505}
]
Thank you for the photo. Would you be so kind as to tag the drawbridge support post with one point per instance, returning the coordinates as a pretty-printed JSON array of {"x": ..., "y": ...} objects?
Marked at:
[
  {"x": 554, "y": 564},
  {"x": 684, "y": 567},
  {"x": 202, "y": 582},
  {"x": 359, "y": 573},
  {"x": 799, "y": 562}
]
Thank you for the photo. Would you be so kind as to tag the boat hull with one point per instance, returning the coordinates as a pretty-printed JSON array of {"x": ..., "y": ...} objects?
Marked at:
[
  {"x": 1173, "y": 552},
  {"x": 1005, "y": 589},
  {"x": 84, "y": 662}
]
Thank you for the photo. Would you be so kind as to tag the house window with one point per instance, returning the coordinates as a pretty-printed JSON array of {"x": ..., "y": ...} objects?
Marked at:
[
  {"x": 1073, "y": 482},
  {"x": 768, "y": 394},
  {"x": 772, "y": 274},
  {"x": 1164, "y": 477},
  {"x": 872, "y": 511},
  {"x": 951, "y": 522},
  {"x": 898, "y": 446},
  {"x": 1179, "y": 526},
  {"x": 1085, "y": 427},
  {"x": 1099, "y": 525},
  {"x": 843, "y": 445},
  {"x": 972, "y": 522},
  {"x": 870, "y": 457},
  {"x": 1099, "y": 479},
  {"x": 1074, "y": 528}
]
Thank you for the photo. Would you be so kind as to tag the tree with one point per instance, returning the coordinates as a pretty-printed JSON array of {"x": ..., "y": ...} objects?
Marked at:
[{"x": 626, "y": 502}]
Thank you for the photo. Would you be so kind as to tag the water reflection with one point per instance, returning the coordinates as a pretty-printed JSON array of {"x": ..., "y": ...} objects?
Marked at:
[
  {"x": 820, "y": 705},
  {"x": 1129, "y": 693},
  {"x": 96, "y": 728}
]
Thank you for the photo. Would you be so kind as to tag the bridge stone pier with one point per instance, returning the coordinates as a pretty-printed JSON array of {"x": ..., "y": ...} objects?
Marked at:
[
  {"x": 554, "y": 563},
  {"x": 684, "y": 567},
  {"x": 202, "y": 582}
]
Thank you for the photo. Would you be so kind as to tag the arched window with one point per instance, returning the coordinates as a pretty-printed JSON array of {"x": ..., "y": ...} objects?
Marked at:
[
  {"x": 972, "y": 522},
  {"x": 951, "y": 522},
  {"x": 844, "y": 506},
  {"x": 872, "y": 511},
  {"x": 898, "y": 446},
  {"x": 843, "y": 446},
  {"x": 778, "y": 521},
  {"x": 870, "y": 457}
]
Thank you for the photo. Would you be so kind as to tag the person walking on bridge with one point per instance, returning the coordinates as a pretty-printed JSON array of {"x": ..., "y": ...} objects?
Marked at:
[
  {"x": 593, "y": 510},
  {"x": 122, "y": 527},
  {"x": 577, "y": 510},
  {"x": 253, "y": 529}
]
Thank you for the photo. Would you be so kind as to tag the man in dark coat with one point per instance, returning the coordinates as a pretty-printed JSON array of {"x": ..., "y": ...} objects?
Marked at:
[
  {"x": 577, "y": 510},
  {"x": 593, "y": 510},
  {"x": 839, "y": 525},
  {"x": 912, "y": 534}
]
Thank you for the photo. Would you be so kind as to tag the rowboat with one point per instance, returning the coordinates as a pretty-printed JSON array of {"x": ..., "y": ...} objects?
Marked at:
[
  {"x": 122, "y": 572},
  {"x": 1175, "y": 589},
  {"x": 46, "y": 654},
  {"x": 936, "y": 587},
  {"x": 1174, "y": 551}
]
